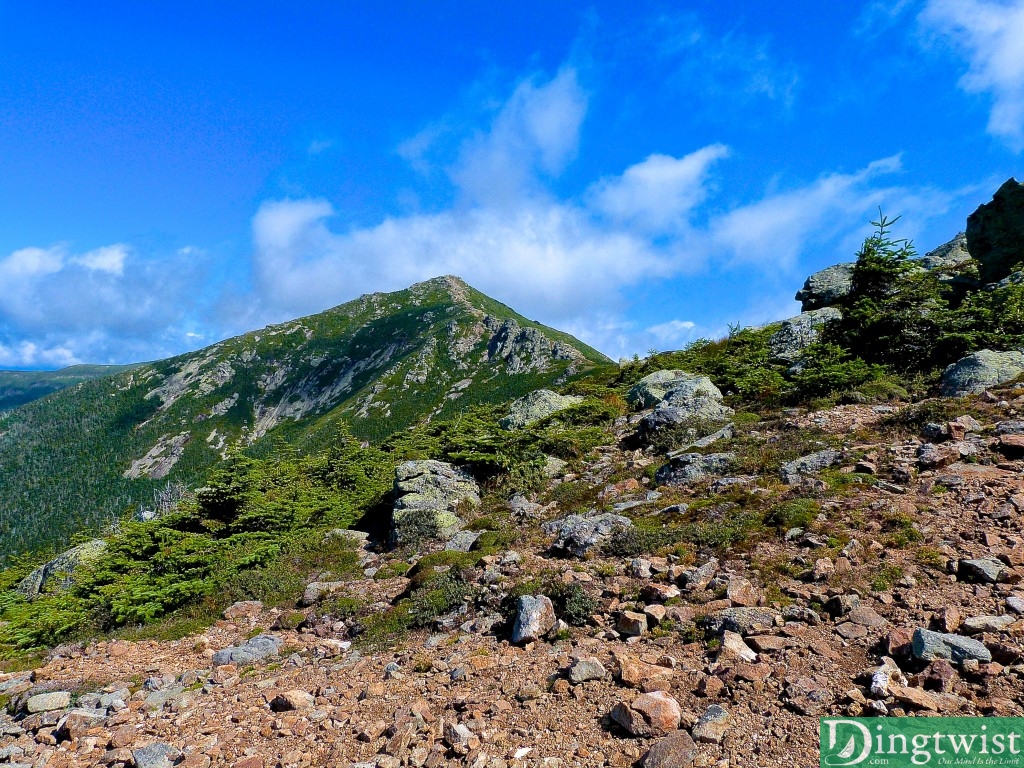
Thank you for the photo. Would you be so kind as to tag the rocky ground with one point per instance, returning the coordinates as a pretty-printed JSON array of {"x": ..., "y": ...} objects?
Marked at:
[{"x": 895, "y": 595}]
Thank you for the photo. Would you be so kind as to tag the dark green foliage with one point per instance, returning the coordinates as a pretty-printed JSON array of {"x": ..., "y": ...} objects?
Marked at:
[
  {"x": 828, "y": 368},
  {"x": 738, "y": 365},
  {"x": 572, "y": 604},
  {"x": 20, "y": 387},
  {"x": 437, "y": 598}
]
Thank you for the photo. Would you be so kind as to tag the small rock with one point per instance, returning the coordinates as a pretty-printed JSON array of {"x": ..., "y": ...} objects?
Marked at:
[
  {"x": 292, "y": 700},
  {"x": 582, "y": 670},
  {"x": 650, "y": 714},
  {"x": 535, "y": 617},
  {"x": 712, "y": 725},
  {"x": 155, "y": 755},
  {"x": 676, "y": 750},
  {"x": 631, "y": 623},
  {"x": 975, "y": 625},
  {"x": 928, "y": 645},
  {"x": 986, "y": 570}
]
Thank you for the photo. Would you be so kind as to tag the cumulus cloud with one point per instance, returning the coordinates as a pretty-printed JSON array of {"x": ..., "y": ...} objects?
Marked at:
[
  {"x": 658, "y": 194},
  {"x": 989, "y": 35},
  {"x": 59, "y": 307}
]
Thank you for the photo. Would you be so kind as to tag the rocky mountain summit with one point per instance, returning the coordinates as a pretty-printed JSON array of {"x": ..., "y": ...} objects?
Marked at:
[{"x": 377, "y": 364}]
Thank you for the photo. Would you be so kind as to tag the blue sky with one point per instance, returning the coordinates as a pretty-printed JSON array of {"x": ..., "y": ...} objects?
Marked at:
[{"x": 638, "y": 174}]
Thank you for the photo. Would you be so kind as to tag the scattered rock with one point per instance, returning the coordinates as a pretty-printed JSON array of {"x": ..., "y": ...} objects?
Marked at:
[
  {"x": 712, "y": 725},
  {"x": 249, "y": 652},
  {"x": 535, "y": 618},
  {"x": 585, "y": 669},
  {"x": 577, "y": 534},
  {"x": 46, "y": 702},
  {"x": 928, "y": 646},
  {"x": 985, "y": 570},
  {"x": 292, "y": 700},
  {"x": 650, "y": 714},
  {"x": 810, "y": 464},
  {"x": 676, "y": 750},
  {"x": 688, "y": 468}
]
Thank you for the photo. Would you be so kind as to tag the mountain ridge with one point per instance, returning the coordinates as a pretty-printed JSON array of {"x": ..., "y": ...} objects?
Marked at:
[{"x": 374, "y": 365}]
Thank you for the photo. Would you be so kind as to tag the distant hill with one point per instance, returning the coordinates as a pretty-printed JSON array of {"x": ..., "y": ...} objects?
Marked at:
[
  {"x": 20, "y": 387},
  {"x": 375, "y": 365}
]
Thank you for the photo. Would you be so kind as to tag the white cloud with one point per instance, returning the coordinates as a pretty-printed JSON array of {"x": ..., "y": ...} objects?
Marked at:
[
  {"x": 59, "y": 307},
  {"x": 989, "y": 35},
  {"x": 109, "y": 259},
  {"x": 673, "y": 331},
  {"x": 775, "y": 230},
  {"x": 658, "y": 194},
  {"x": 536, "y": 132}
]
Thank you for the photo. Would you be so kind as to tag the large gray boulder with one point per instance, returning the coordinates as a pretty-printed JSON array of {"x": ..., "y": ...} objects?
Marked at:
[
  {"x": 928, "y": 646},
  {"x": 688, "y": 468},
  {"x": 827, "y": 287},
  {"x": 948, "y": 255},
  {"x": 61, "y": 567},
  {"x": 976, "y": 373},
  {"x": 682, "y": 396},
  {"x": 578, "y": 534},
  {"x": 995, "y": 232},
  {"x": 536, "y": 406},
  {"x": 798, "y": 333},
  {"x": 428, "y": 495}
]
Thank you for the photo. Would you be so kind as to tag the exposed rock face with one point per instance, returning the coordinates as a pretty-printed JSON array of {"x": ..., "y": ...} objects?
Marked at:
[
  {"x": 949, "y": 256},
  {"x": 525, "y": 349},
  {"x": 577, "y": 534},
  {"x": 825, "y": 288},
  {"x": 428, "y": 495},
  {"x": 995, "y": 232},
  {"x": 812, "y": 463},
  {"x": 691, "y": 467},
  {"x": 798, "y": 333},
  {"x": 975, "y": 373},
  {"x": 64, "y": 564},
  {"x": 536, "y": 406},
  {"x": 688, "y": 395}
]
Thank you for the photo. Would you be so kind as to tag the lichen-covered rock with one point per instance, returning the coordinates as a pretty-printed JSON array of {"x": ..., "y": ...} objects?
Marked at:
[
  {"x": 798, "y": 333},
  {"x": 976, "y": 373},
  {"x": 535, "y": 618},
  {"x": 690, "y": 395},
  {"x": 249, "y": 652},
  {"x": 947, "y": 258},
  {"x": 814, "y": 462},
  {"x": 691, "y": 467},
  {"x": 61, "y": 566},
  {"x": 740, "y": 620},
  {"x": 577, "y": 534},
  {"x": 428, "y": 494},
  {"x": 826, "y": 287},
  {"x": 995, "y": 232},
  {"x": 535, "y": 406},
  {"x": 928, "y": 646}
]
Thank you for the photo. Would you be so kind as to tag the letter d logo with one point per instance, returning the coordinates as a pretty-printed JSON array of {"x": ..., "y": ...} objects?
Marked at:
[{"x": 858, "y": 737}]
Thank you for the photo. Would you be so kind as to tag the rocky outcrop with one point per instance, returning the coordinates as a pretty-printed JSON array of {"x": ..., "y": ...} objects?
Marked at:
[
  {"x": 979, "y": 371},
  {"x": 428, "y": 495},
  {"x": 798, "y": 333},
  {"x": 826, "y": 287},
  {"x": 578, "y": 534},
  {"x": 61, "y": 567},
  {"x": 535, "y": 618},
  {"x": 691, "y": 467},
  {"x": 995, "y": 232},
  {"x": 525, "y": 349},
  {"x": 535, "y": 406}
]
